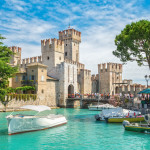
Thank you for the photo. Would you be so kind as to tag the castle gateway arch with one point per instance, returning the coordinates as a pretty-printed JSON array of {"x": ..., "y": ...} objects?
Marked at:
[{"x": 70, "y": 90}]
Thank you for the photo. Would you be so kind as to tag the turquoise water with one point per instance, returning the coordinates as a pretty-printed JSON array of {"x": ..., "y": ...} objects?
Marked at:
[{"x": 81, "y": 133}]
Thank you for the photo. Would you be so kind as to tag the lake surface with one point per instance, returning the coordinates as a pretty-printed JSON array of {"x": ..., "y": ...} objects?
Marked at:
[{"x": 81, "y": 132}]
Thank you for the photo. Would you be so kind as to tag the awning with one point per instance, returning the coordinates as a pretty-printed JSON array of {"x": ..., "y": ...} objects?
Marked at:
[
  {"x": 146, "y": 91},
  {"x": 38, "y": 108}
]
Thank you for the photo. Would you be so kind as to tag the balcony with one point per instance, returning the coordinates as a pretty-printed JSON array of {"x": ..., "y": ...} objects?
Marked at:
[{"x": 28, "y": 82}]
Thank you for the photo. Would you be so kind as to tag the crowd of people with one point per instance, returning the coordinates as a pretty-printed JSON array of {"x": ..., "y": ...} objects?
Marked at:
[
  {"x": 90, "y": 95},
  {"x": 107, "y": 96}
]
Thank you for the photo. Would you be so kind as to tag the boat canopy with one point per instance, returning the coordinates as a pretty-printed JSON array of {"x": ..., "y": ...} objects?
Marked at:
[
  {"x": 119, "y": 111},
  {"x": 38, "y": 108}
]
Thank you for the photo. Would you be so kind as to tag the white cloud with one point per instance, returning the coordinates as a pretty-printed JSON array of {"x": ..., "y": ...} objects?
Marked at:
[
  {"x": 20, "y": 30},
  {"x": 17, "y": 5},
  {"x": 29, "y": 50}
]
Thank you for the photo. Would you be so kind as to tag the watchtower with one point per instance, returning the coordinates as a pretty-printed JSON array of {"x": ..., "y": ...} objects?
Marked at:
[
  {"x": 72, "y": 39},
  {"x": 16, "y": 57},
  {"x": 84, "y": 79},
  {"x": 110, "y": 77},
  {"x": 52, "y": 52}
]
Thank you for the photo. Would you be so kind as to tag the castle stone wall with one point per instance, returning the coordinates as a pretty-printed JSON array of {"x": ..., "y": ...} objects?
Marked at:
[
  {"x": 84, "y": 79},
  {"x": 95, "y": 83},
  {"x": 110, "y": 77}
]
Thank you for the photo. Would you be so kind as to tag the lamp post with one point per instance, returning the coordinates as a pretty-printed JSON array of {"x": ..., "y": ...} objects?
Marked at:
[{"x": 147, "y": 78}]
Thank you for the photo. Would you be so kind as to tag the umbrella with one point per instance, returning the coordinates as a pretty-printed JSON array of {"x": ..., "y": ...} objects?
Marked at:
[{"x": 146, "y": 91}]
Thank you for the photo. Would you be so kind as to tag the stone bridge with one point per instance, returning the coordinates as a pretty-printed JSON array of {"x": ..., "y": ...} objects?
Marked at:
[{"x": 83, "y": 102}]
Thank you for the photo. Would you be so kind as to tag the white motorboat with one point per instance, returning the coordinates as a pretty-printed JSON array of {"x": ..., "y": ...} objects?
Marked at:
[
  {"x": 101, "y": 107},
  {"x": 20, "y": 123},
  {"x": 115, "y": 112}
]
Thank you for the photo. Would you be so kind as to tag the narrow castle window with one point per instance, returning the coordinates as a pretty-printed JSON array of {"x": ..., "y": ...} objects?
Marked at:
[
  {"x": 66, "y": 44},
  {"x": 59, "y": 58},
  {"x": 23, "y": 77},
  {"x": 42, "y": 91},
  {"x": 47, "y": 57},
  {"x": 42, "y": 78},
  {"x": 32, "y": 78},
  {"x": 65, "y": 53}
]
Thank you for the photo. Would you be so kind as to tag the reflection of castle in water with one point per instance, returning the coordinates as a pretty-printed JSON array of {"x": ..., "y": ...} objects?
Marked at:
[{"x": 58, "y": 73}]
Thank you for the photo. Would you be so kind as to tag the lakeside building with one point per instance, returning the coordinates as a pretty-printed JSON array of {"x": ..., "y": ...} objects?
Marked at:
[{"x": 58, "y": 73}]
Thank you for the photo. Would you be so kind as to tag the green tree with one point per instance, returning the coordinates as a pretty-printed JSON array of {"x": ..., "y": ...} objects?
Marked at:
[
  {"x": 133, "y": 43},
  {"x": 6, "y": 71}
]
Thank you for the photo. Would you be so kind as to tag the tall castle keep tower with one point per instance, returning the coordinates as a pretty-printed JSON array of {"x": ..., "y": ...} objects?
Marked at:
[
  {"x": 110, "y": 78},
  {"x": 52, "y": 52},
  {"x": 72, "y": 39}
]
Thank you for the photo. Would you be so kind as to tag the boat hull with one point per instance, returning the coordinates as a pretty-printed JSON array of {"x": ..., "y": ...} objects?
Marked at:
[
  {"x": 138, "y": 129},
  {"x": 21, "y": 125},
  {"x": 98, "y": 108},
  {"x": 120, "y": 120},
  {"x": 95, "y": 108}
]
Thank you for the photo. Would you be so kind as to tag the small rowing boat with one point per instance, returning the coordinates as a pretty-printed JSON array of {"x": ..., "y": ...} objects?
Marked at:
[{"x": 138, "y": 127}]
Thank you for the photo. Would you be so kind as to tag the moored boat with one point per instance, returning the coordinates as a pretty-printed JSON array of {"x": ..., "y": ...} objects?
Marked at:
[
  {"x": 20, "y": 123},
  {"x": 115, "y": 113},
  {"x": 121, "y": 119},
  {"x": 101, "y": 107},
  {"x": 138, "y": 127}
]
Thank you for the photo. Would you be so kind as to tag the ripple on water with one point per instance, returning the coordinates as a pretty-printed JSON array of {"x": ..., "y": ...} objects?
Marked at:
[{"x": 81, "y": 132}]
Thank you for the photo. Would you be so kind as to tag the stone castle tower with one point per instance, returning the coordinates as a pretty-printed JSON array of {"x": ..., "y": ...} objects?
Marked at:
[
  {"x": 71, "y": 39},
  {"x": 110, "y": 78},
  {"x": 52, "y": 52},
  {"x": 16, "y": 58}
]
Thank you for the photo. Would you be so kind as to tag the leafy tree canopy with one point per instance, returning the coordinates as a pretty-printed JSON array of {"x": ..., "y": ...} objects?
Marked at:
[
  {"x": 133, "y": 43},
  {"x": 6, "y": 71},
  {"x": 25, "y": 88}
]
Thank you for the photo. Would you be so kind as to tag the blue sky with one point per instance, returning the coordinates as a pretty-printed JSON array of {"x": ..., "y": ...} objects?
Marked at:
[{"x": 25, "y": 22}]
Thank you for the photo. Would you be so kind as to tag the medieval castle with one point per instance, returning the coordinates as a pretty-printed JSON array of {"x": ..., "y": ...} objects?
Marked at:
[{"x": 57, "y": 73}]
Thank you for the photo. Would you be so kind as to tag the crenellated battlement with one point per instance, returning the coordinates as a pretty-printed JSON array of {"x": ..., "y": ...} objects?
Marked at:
[
  {"x": 15, "y": 49},
  {"x": 16, "y": 57},
  {"x": 50, "y": 42},
  {"x": 52, "y": 45},
  {"x": 94, "y": 77},
  {"x": 85, "y": 72},
  {"x": 25, "y": 61},
  {"x": 70, "y": 61},
  {"x": 80, "y": 65},
  {"x": 70, "y": 34},
  {"x": 110, "y": 67}
]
